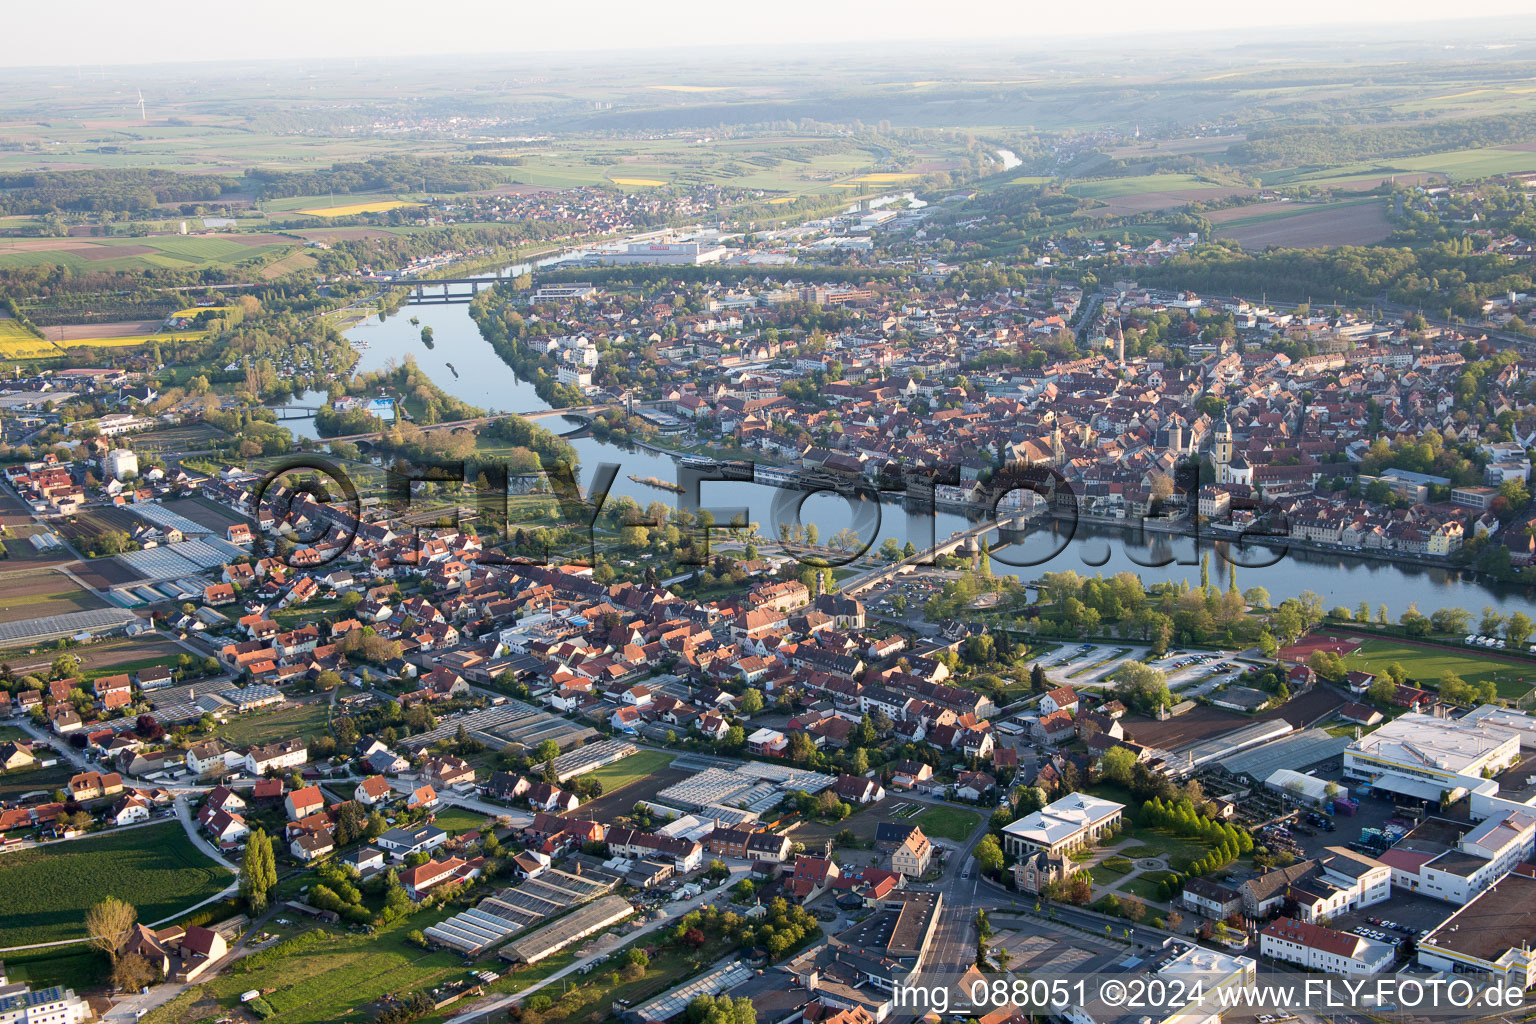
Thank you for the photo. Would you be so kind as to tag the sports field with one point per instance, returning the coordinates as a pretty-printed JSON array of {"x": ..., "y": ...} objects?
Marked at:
[
  {"x": 1426, "y": 663},
  {"x": 46, "y": 891}
]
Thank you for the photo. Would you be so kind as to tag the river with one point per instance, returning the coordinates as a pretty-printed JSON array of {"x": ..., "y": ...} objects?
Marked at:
[{"x": 483, "y": 379}]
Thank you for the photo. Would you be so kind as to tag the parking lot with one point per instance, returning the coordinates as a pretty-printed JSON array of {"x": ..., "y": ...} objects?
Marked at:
[{"x": 1404, "y": 915}]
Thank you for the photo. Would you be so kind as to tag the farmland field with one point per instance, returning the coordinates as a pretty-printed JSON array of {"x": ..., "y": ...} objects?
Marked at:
[
  {"x": 16, "y": 342},
  {"x": 47, "y": 891},
  {"x": 340, "y": 976},
  {"x": 36, "y": 594},
  {"x": 353, "y": 209},
  {"x": 117, "y": 655},
  {"x": 175, "y": 252},
  {"x": 124, "y": 341},
  {"x": 1116, "y": 188},
  {"x": 78, "y": 967},
  {"x": 29, "y": 780},
  {"x": 631, "y": 769},
  {"x": 83, "y": 528},
  {"x": 1358, "y": 222}
]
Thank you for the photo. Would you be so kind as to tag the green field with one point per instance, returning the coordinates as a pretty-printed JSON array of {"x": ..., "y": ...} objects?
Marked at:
[
  {"x": 1425, "y": 665},
  {"x": 1115, "y": 188},
  {"x": 631, "y": 769},
  {"x": 257, "y": 727},
  {"x": 47, "y": 891},
  {"x": 948, "y": 823}
]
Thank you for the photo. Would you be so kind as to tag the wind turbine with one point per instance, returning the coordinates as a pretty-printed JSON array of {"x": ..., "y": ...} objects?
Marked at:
[{"x": 142, "y": 115}]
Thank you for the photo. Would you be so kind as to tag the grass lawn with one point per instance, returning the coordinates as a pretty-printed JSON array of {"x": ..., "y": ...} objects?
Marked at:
[
  {"x": 256, "y": 727},
  {"x": 1513, "y": 677},
  {"x": 633, "y": 768},
  {"x": 1180, "y": 852},
  {"x": 459, "y": 819},
  {"x": 1141, "y": 887},
  {"x": 948, "y": 823},
  {"x": 1105, "y": 876},
  {"x": 47, "y": 891},
  {"x": 11, "y": 732}
]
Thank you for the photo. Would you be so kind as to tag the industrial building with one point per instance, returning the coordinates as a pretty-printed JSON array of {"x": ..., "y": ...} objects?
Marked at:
[
  {"x": 1436, "y": 760},
  {"x": 1490, "y": 935}
]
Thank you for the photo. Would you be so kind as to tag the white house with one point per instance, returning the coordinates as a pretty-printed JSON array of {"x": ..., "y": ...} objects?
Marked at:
[{"x": 1317, "y": 948}]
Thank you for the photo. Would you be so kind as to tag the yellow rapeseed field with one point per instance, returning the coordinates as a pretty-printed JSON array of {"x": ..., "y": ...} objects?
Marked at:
[
  {"x": 26, "y": 348},
  {"x": 133, "y": 339},
  {"x": 382, "y": 206},
  {"x": 637, "y": 181},
  {"x": 885, "y": 177},
  {"x": 16, "y": 342}
]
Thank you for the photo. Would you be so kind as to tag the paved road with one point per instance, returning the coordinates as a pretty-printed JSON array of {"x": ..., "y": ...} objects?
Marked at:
[{"x": 184, "y": 812}]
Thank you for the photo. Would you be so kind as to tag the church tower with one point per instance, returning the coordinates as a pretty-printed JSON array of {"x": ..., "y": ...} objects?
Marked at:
[{"x": 1221, "y": 451}]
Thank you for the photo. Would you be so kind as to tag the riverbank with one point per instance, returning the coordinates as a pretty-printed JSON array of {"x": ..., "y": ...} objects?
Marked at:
[{"x": 1098, "y": 544}]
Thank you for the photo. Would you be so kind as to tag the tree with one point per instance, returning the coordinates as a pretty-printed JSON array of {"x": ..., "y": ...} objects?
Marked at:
[
  {"x": 989, "y": 856},
  {"x": 258, "y": 871},
  {"x": 1518, "y": 629},
  {"x": 546, "y": 751},
  {"x": 1037, "y": 681},
  {"x": 635, "y": 963},
  {"x": 109, "y": 923},
  {"x": 751, "y": 703},
  {"x": 1450, "y": 620},
  {"x": 1118, "y": 763},
  {"x": 132, "y": 973}
]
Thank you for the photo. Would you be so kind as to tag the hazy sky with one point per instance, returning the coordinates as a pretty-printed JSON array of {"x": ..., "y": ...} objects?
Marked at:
[{"x": 153, "y": 31}]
